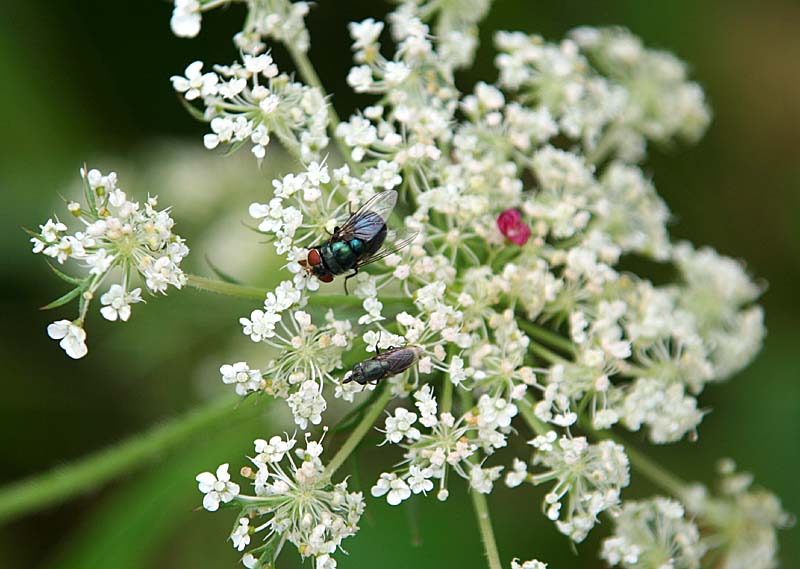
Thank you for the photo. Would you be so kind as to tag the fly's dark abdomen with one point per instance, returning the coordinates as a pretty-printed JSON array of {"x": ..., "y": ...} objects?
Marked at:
[
  {"x": 372, "y": 246},
  {"x": 399, "y": 359},
  {"x": 391, "y": 362}
]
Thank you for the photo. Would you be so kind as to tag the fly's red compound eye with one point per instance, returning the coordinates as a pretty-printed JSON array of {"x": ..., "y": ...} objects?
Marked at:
[
  {"x": 314, "y": 258},
  {"x": 326, "y": 278}
]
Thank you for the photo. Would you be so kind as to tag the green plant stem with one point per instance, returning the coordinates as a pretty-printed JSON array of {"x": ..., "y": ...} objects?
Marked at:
[
  {"x": 228, "y": 289},
  {"x": 526, "y": 409},
  {"x": 447, "y": 386},
  {"x": 479, "y": 503},
  {"x": 447, "y": 395},
  {"x": 657, "y": 474},
  {"x": 481, "y": 508},
  {"x": 358, "y": 433},
  {"x": 257, "y": 293},
  {"x": 91, "y": 472},
  {"x": 543, "y": 334},
  {"x": 309, "y": 75},
  {"x": 545, "y": 354}
]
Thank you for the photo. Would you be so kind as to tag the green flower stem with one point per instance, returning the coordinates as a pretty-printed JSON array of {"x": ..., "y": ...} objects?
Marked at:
[
  {"x": 543, "y": 334},
  {"x": 89, "y": 473},
  {"x": 656, "y": 473},
  {"x": 545, "y": 354},
  {"x": 485, "y": 525},
  {"x": 256, "y": 293},
  {"x": 479, "y": 503},
  {"x": 358, "y": 433},
  {"x": 526, "y": 409},
  {"x": 226, "y": 288},
  {"x": 447, "y": 395},
  {"x": 309, "y": 75},
  {"x": 213, "y": 4},
  {"x": 446, "y": 405}
]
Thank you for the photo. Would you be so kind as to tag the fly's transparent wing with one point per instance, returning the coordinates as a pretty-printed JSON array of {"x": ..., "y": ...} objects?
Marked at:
[
  {"x": 370, "y": 218},
  {"x": 399, "y": 239}
]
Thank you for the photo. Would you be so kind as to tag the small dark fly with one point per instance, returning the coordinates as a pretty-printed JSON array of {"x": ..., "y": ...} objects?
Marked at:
[
  {"x": 357, "y": 242},
  {"x": 391, "y": 361}
]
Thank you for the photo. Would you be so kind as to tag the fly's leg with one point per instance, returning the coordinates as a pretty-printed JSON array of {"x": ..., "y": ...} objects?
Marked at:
[
  {"x": 334, "y": 235},
  {"x": 347, "y": 278}
]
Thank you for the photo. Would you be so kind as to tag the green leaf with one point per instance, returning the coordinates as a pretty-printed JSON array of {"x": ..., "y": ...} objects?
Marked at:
[
  {"x": 194, "y": 111},
  {"x": 66, "y": 277},
  {"x": 236, "y": 146},
  {"x": 91, "y": 199},
  {"x": 147, "y": 514},
  {"x": 221, "y": 274},
  {"x": 61, "y": 301}
]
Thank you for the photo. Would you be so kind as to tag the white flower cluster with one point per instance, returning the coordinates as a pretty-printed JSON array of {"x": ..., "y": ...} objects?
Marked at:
[
  {"x": 739, "y": 523},
  {"x": 653, "y": 534},
  {"x": 605, "y": 89},
  {"x": 502, "y": 219},
  {"x": 587, "y": 478},
  {"x": 118, "y": 239},
  {"x": 280, "y": 20},
  {"x": 294, "y": 500},
  {"x": 455, "y": 30},
  {"x": 441, "y": 444},
  {"x": 307, "y": 354},
  {"x": 251, "y": 101}
]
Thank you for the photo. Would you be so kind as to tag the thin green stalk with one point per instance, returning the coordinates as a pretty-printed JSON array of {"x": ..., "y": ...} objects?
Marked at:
[
  {"x": 447, "y": 395},
  {"x": 358, "y": 433},
  {"x": 547, "y": 336},
  {"x": 91, "y": 472},
  {"x": 309, "y": 75},
  {"x": 228, "y": 289},
  {"x": 485, "y": 525},
  {"x": 526, "y": 409},
  {"x": 447, "y": 386},
  {"x": 546, "y": 354},
  {"x": 479, "y": 503},
  {"x": 658, "y": 475},
  {"x": 257, "y": 293}
]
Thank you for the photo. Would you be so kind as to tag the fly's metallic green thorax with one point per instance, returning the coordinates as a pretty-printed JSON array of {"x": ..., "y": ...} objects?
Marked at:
[
  {"x": 357, "y": 242},
  {"x": 339, "y": 256},
  {"x": 391, "y": 362}
]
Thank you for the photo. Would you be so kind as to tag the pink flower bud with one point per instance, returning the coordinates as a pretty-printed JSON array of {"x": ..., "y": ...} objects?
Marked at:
[{"x": 511, "y": 225}]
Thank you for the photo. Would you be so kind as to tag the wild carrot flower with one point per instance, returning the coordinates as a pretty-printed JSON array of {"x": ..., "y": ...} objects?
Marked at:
[{"x": 482, "y": 235}]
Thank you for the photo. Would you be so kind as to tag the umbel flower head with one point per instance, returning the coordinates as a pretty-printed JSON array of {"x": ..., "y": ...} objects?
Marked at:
[
  {"x": 118, "y": 239},
  {"x": 523, "y": 196},
  {"x": 653, "y": 534},
  {"x": 740, "y": 523},
  {"x": 480, "y": 238},
  {"x": 293, "y": 500}
]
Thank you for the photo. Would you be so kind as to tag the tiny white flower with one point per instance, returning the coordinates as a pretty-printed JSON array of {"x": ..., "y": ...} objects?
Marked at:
[
  {"x": 217, "y": 488},
  {"x": 532, "y": 564},
  {"x": 72, "y": 336},
  {"x": 401, "y": 426},
  {"x": 186, "y": 18},
  {"x": 117, "y": 302},
  {"x": 241, "y": 535},
  {"x": 394, "y": 488}
]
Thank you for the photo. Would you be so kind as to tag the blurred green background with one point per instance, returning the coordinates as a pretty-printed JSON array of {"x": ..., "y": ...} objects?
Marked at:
[{"x": 89, "y": 81}]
